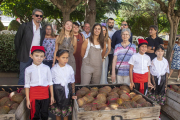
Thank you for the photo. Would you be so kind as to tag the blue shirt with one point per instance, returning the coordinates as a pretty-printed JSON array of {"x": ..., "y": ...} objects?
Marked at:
[{"x": 116, "y": 38}]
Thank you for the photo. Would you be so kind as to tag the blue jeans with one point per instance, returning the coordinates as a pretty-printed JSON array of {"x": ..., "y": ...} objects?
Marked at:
[{"x": 23, "y": 66}]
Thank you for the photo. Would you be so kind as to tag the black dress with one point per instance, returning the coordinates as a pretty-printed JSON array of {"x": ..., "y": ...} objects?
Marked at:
[{"x": 153, "y": 43}]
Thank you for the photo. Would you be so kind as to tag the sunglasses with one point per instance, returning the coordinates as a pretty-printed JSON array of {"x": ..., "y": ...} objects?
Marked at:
[
  {"x": 123, "y": 24},
  {"x": 39, "y": 15}
]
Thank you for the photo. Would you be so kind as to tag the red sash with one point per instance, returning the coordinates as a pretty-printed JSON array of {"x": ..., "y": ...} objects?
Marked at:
[
  {"x": 140, "y": 78},
  {"x": 37, "y": 93}
]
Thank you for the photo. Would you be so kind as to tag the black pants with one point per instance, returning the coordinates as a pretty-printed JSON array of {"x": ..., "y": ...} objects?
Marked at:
[
  {"x": 41, "y": 109},
  {"x": 137, "y": 86},
  {"x": 110, "y": 56}
]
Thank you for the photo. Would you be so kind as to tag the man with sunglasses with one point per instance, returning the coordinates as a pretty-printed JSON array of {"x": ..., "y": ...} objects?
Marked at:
[
  {"x": 29, "y": 34},
  {"x": 116, "y": 38}
]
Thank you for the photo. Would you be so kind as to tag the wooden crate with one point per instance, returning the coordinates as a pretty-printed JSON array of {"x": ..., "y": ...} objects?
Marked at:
[
  {"x": 22, "y": 112},
  {"x": 172, "y": 107},
  {"x": 143, "y": 113}
]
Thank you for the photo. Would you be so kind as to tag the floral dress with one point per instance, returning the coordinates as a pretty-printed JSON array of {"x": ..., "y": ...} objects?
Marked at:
[{"x": 176, "y": 58}]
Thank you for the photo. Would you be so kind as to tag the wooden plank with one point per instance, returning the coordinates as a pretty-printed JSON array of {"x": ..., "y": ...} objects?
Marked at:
[
  {"x": 7, "y": 117},
  {"x": 173, "y": 95},
  {"x": 175, "y": 105},
  {"x": 171, "y": 112},
  {"x": 21, "y": 109}
]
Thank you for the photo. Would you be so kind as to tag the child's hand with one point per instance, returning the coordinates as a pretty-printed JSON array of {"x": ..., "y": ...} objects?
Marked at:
[
  {"x": 52, "y": 100},
  {"x": 28, "y": 104},
  {"x": 113, "y": 78},
  {"x": 132, "y": 85},
  {"x": 74, "y": 97},
  {"x": 150, "y": 85}
]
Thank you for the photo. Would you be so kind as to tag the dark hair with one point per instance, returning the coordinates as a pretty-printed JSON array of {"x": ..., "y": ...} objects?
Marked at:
[
  {"x": 100, "y": 38},
  {"x": 155, "y": 28},
  {"x": 38, "y": 51},
  {"x": 76, "y": 24},
  {"x": 39, "y": 10},
  {"x": 60, "y": 52},
  {"x": 52, "y": 32},
  {"x": 159, "y": 47},
  {"x": 110, "y": 19}
]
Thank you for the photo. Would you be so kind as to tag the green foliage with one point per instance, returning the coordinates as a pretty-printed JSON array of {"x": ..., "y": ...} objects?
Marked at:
[
  {"x": 8, "y": 61},
  {"x": 1, "y": 26},
  {"x": 14, "y": 25}
]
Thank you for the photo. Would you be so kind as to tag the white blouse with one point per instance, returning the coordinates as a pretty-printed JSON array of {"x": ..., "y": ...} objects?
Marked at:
[
  {"x": 63, "y": 75},
  {"x": 140, "y": 63},
  {"x": 37, "y": 75},
  {"x": 159, "y": 68}
]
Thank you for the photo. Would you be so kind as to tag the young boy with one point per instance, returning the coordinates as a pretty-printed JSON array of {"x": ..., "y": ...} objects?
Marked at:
[
  {"x": 139, "y": 68},
  {"x": 38, "y": 82}
]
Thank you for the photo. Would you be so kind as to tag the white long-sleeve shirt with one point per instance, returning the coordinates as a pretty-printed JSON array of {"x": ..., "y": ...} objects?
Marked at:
[{"x": 38, "y": 76}]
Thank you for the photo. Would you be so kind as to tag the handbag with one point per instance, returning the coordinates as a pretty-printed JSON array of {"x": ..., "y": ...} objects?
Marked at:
[{"x": 116, "y": 69}]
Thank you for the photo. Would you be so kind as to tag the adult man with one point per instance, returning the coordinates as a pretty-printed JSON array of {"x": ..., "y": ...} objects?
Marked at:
[
  {"x": 116, "y": 38},
  {"x": 111, "y": 31},
  {"x": 28, "y": 35},
  {"x": 86, "y": 31}
]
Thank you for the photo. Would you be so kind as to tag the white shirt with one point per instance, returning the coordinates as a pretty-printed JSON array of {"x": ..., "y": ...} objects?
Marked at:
[
  {"x": 36, "y": 36},
  {"x": 85, "y": 35},
  {"x": 159, "y": 68},
  {"x": 88, "y": 47},
  {"x": 111, "y": 33},
  {"x": 140, "y": 63},
  {"x": 37, "y": 75},
  {"x": 63, "y": 75}
]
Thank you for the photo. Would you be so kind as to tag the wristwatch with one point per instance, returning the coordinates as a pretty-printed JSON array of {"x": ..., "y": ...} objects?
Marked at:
[{"x": 152, "y": 48}]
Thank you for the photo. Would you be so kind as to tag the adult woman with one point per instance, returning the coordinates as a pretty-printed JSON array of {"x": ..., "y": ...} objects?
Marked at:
[
  {"x": 107, "y": 41},
  {"x": 175, "y": 58},
  {"x": 153, "y": 41},
  {"x": 49, "y": 45},
  {"x": 77, "y": 55},
  {"x": 92, "y": 51},
  {"x": 66, "y": 40},
  {"x": 123, "y": 50}
]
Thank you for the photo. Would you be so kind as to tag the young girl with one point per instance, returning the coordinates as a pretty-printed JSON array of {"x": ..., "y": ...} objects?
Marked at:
[
  {"x": 64, "y": 86},
  {"x": 66, "y": 41},
  {"x": 159, "y": 71}
]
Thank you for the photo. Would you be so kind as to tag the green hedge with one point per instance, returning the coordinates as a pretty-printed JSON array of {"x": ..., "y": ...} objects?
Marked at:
[
  {"x": 8, "y": 61},
  {"x": 13, "y": 25},
  {"x": 1, "y": 26}
]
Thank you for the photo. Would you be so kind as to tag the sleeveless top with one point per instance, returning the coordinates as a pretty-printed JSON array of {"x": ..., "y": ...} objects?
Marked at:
[{"x": 67, "y": 45}]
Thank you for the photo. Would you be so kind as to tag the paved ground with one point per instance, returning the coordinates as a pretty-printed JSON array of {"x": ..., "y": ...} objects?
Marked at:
[{"x": 12, "y": 79}]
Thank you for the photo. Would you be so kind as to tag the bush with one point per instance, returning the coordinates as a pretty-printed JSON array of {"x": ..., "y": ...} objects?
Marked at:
[
  {"x": 1, "y": 26},
  {"x": 8, "y": 61},
  {"x": 13, "y": 25}
]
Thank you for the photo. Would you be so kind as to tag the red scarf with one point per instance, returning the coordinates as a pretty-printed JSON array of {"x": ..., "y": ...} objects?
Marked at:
[
  {"x": 37, "y": 93},
  {"x": 140, "y": 78}
]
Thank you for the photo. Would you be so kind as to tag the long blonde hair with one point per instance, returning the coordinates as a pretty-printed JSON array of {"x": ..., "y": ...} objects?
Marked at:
[
  {"x": 62, "y": 34},
  {"x": 106, "y": 37}
]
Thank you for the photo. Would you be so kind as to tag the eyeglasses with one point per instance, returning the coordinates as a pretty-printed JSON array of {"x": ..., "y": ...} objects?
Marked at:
[
  {"x": 39, "y": 15},
  {"x": 123, "y": 24}
]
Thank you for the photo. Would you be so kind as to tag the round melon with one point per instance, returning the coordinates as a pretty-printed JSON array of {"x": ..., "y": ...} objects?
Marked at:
[
  {"x": 125, "y": 97},
  {"x": 17, "y": 98},
  {"x": 3, "y": 94},
  {"x": 108, "y": 88},
  {"x": 132, "y": 94},
  {"x": 14, "y": 106},
  {"x": 113, "y": 94},
  {"x": 94, "y": 89},
  {"x": 81, "y": 102},
  {"x": 136, "y": 97},
  {"x": 88, "y": 99},
  {"x": 116, "y": 89},
  {"x": 4, "y": 100},
  {"x": 114, "y": 106},
  {"x": 101, "y": 97},
  {"x": 124, "y": 87},
  {"x": 120, "y": 92},
  {"x": 120, "y": 101},
  {"x": 4, "y": 110},
  {"x": 12, "y": 93}
]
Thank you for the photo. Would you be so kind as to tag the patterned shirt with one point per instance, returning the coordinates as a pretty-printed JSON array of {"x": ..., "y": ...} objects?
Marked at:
[
  {"x": 120, "y": 51},
  {"x": 49, "y": 45}
]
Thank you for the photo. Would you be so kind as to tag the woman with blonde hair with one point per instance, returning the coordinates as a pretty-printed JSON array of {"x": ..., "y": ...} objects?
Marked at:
[
  {"x": 66, "y": 40},
  {"x": 107, "y": 41}
]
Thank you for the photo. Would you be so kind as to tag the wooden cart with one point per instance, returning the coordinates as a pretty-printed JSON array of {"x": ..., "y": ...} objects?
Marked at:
[
  {"x": 22, "y": 112},
  {"x": 143, "y": 113},
  {"x": 172, "y": 106}
]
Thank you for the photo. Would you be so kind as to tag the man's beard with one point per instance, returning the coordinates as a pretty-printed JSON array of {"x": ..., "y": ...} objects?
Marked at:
[
  {"x": 110, "y": 27},
  {"x": 38, "y": 21}
]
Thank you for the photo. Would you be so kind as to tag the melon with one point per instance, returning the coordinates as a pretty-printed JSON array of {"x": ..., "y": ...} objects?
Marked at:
[
  {"x": 78, "y": 95},
  {"x": 23, "y": 92},
  {"x": 85, "y": 89},
  {"x": 106, "y": 94},
  {"x": 116, "y": 89},
  {"x": 12, "y": 93},
  {"x": 110, "y": 98},
  {"x": 81, "y": 102},
  {"x": 121, "y": 107},
  {"x": 88, "y": 99},
  {"x": 4, "y": 110},
  {"x": 136, "y": 97},
  {"x": 125, "y": 97},
  {"x": 141, "y": 101},
  {"x": 124, "y": 87},
  {"x": 87, "y": 107},
  {"x": 146, "y": 104},
  {"x": 97, "y": 101},
  {"x": 3, "y": 94},
  {"x": 178, "y": 92},
  {"x": 108, "y": 88},
  {"x": 113, "y": 94},
  {"x": 127, "y": 104},
  {"x": 132, "y": 94},
  {"x": 134, "y": 104},
  {"x": 114, "y": 106},
  {"x": 92, "y": 93},
  {"x": 95, "y": 89},
  {"x": 14, "y": 106},
  {"x": 120, "y": 92},
  {"x": 105, "y": 108},
  {"x": 9, "y": 103},
  {"x": 175, "y": 87},
  {"x": 17, "y": 98},
  {"x": 4, "y": 100},
  {"x": 99, "y": 106},
  {"x": 172, "y": 89},
  {"x": 101, "y": 97},
  {"x": 103, "y": 90},
  {"x": 81, "y": 93},
  {"x": 120, "y": 101}
]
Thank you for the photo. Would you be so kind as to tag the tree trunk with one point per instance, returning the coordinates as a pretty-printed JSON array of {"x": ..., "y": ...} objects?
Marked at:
[
  {"x": 155, "y": 19},
  {"x": 66, "y": 16},
  {"x": 91, "y": 13},
  {"x": 174, "y": 22}
]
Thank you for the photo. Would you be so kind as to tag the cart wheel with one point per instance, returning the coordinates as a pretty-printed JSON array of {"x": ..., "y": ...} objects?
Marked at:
[{"x": 113, "y": 117}]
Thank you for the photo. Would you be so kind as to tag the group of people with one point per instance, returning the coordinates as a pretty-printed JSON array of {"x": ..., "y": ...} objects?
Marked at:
[{"x": 56, "y": 63}]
